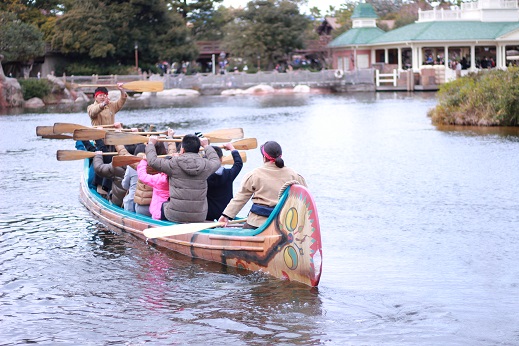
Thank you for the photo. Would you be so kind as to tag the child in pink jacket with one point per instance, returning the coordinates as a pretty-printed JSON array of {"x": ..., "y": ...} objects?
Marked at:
[{"x": 160, "y": 185}]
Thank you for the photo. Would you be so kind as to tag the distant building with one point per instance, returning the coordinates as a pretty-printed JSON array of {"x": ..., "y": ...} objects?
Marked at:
[{"x": 481, "y": 34}]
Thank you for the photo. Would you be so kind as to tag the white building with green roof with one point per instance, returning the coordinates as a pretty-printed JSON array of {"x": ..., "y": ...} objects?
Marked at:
[{"x": 481, "y": 34}]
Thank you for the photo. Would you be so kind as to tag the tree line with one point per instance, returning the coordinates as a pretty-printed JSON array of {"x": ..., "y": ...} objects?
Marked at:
[{"x": 101, "y": 36}]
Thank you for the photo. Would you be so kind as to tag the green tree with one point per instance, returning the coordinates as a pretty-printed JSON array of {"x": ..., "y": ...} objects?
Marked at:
[
  {"x": 385, "y": 7},
  {"x": 203, "y": 17},
  {"x": 408, "y": 13},
  {"x": 175, "y": 44},
  {"x": 268, "y": 29},
  {"x": 211, "y": 28},
  {"x": 41, "y": 13},
  {"x": 20, "y": 42},
  {"x": 192, "y": 8},
  {"x": 82, "y": 33},
  {"x": 315, "y": 12},
  {"x": 108, "y": 31},
  {"x": 343, "y": 16}
]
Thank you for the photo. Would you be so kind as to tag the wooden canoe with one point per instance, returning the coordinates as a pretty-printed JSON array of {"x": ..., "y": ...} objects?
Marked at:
[{"x": 288, "y": 246}]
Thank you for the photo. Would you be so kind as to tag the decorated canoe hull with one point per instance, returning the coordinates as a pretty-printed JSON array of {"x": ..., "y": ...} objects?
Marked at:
[{"x": 288, "y": 246}]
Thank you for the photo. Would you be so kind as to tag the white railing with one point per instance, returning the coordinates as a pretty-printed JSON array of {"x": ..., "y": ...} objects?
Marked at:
[
  {"x": 441, "y": 14},
  {"x": 386, "y": 77},
  {"x": 457, "y": 13},
  {"x": 493, "y": 4},
  {"x": 324, "y": 78}
]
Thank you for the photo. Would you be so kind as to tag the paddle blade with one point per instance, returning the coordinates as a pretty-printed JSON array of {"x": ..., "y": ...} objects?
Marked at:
[
  {"x": 245, "y": 144},
  {"x": 184, "y": 228},
  {"x": 235, "y": 133},
  {"x": 88, "y": 134},
  {"x": 143, "y": 86},
  {"x": 67, "y": 127},
  {"x": 228, "y": 159},
  {"x": 122, "y": 138},
  {"x": 219, "y": 139},
  {"x": 70, "y": 155},
  {"x": 44, "y": 130},
  {"x": 124, "y": 160}
]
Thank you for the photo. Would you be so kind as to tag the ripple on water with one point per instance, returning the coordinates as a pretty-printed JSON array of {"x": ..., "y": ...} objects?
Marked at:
[{"x": 419, "y": 233}]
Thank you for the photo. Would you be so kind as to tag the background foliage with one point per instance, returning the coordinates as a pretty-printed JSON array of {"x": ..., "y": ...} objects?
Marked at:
[
  {"x": 482, "y": 99},
  {"x": 13, "y": 31},
  {"x": 35, "y": 88},
  {"x": 266, "y": 29},
  {"x": 104, "y": 33}
]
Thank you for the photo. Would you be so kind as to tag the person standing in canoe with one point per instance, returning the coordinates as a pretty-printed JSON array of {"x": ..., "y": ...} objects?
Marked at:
[
  {"x": 219, "y": 184},
  {"x": 188, "y": 173},
  {"x": 262, "y": 185},
  {"x": 102, "y": 111}
]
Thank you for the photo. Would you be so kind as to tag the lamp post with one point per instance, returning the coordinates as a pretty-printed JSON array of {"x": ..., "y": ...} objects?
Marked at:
[{"x": 136, "y": 57}]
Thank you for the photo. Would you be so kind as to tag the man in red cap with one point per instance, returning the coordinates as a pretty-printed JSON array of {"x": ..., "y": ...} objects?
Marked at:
[{"x": 102, "y": 111}]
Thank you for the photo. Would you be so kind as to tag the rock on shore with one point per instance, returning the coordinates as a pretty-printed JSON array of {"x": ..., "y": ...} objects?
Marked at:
[{"x": 265, "y": 89}]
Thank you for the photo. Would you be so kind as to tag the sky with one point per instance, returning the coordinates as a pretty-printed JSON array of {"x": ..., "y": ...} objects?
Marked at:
[{"x": 323, "y": 5}]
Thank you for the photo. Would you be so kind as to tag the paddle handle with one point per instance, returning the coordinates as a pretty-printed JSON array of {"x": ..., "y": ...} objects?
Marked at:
[
  {"x": 177, "y": 140},
  {"x": 236, "y": 221},
  {"x": 97, "y": 85}
]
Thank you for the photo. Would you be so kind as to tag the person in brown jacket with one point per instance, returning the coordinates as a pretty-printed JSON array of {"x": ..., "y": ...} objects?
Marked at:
[
  {"x": 102, "y": 111},
  {"x": 262, "y": 185},
  {"x": 142, "y": 198},
  {"x": 188, "y": 173}
]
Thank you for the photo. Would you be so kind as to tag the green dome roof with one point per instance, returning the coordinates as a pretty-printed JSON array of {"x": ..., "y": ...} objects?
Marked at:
[{"x": 364, "y": 10}]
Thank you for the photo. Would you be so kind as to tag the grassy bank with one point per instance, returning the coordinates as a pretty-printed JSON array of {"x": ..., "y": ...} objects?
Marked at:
[{"x": 488, "y": 98}]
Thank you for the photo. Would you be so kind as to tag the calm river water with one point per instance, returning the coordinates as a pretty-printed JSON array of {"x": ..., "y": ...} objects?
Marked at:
[{"x": 420, "y": 231}]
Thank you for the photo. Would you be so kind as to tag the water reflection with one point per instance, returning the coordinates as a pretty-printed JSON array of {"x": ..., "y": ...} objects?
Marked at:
[
  {"x": 419, "y": 234},
  {"x": 510, "y": 133}
]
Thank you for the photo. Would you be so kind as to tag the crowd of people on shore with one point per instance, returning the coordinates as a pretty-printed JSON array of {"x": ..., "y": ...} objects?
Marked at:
[{"x": 182, "y": 181}]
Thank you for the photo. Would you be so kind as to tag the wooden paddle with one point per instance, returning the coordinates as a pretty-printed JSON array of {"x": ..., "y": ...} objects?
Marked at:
[
  {"x": 241, "y": 144},
  {"x": 44, "y": 130},
  {"x": 139, "y": 86},
  {"x": 70, "y": 155},
  {"x": 123, "y": 138},
  {"x": 244, "y": 144},
  {"x": 221, "y": 136},
  {"x": 228, "y": 159},
  {"x": 59, "y": 136},
  {"x": 183, "y": 228},
  {"x": 218, "y": 136},
  {"x": 93, "y": 134},
  {"x": 233, "y": 133},
  {"x": 123, "y": 160},
  {"x": 88, "y": 134},
  {"x": 69, "y": 128}
]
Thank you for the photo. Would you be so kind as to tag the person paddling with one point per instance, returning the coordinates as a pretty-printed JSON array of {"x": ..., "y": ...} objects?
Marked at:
[
  {"x": 262, "y": 185},
  {"x": 219, "y": 184},
  {"x": 188, "y": 173}
]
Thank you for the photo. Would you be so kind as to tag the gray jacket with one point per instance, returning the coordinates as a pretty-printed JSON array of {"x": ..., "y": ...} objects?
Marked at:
[
  {"x": 106, "y": 170},
  {"x": 188, "y": 175}
]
